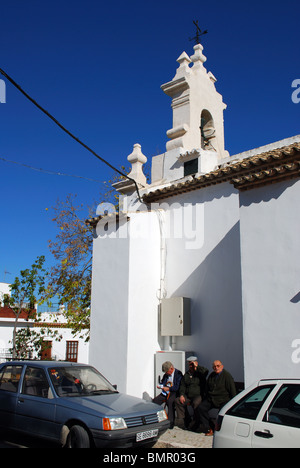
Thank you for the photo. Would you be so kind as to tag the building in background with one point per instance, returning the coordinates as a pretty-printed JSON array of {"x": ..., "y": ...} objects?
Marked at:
[{"x": 67, "y": 348}]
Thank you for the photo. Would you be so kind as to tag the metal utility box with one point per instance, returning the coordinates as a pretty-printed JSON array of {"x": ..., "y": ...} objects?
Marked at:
[
  {"x": 177, "y": 358},
  {"x": 175, "y": 316}
]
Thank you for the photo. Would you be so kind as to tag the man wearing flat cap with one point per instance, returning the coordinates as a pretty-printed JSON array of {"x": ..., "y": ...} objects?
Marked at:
[{"x": 191, "y": 391}]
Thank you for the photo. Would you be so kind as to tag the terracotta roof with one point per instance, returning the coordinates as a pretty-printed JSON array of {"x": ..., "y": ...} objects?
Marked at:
[
  {"x": 262, "y": 169},
  {"x": 94, "y": 221}
]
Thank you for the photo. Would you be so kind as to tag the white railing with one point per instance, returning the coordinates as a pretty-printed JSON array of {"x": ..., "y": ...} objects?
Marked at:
[{"x": 5, "y": 354}]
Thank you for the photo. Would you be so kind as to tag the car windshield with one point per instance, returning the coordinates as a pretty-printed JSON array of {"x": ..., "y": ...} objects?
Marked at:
[{"x": 79, "y": 381}]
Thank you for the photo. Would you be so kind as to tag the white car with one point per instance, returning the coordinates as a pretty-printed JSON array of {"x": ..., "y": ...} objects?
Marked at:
[{"x": 267, "y": 414}]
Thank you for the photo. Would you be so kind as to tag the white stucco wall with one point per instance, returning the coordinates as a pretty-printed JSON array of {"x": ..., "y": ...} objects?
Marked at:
[
  {"x": 270, "y": 226},
  {"x": 4, "y": 289},
  {"x": 109, "y": 306},
  {"x": 206, "y": 269},
  {"x": 144, "y": 283},
  {"x": 124, "y": 303},
  {"x": 187, "y": 246},
  {"x": 6, "y": 332}
]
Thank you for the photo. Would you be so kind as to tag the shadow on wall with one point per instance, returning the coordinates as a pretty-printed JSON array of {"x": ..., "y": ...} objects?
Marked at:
[
  {"x": 216, "y": 307},
  {"x": 296, "y": 298},
  {"x": 265, "y": 193}
]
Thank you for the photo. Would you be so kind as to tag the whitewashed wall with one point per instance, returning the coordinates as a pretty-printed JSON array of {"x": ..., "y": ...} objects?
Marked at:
[
  {"x": 199, "y": 259},
  {"x": 206, "y": 268},
  {"x": 270, "y": 227},
  {"x": 124, "y": 303}
]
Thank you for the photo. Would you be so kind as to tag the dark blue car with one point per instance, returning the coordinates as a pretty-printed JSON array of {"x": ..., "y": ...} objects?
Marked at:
[{"x": 74, "y": 405}]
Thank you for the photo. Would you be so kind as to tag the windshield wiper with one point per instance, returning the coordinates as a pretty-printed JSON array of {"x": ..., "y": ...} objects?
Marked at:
[{"x": 100, "y": 392}]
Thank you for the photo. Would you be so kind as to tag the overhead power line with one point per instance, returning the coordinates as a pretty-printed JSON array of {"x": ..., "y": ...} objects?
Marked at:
[
  {"x": 68, "y": 132},
  {"x": 46, "y": 171}
]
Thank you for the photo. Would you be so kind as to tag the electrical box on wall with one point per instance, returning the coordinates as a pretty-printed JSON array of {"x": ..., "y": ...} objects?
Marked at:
[{"x": 175, "y": 316}]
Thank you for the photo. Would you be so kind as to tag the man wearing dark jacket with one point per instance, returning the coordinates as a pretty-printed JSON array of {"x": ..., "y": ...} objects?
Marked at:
[
  {"x": 191, "y": 390},
  {"x": 220, "y": 388},
  {"x": 169, "y": 389}
]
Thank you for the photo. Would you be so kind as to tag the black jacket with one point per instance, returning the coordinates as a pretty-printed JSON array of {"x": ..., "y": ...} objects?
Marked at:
[
  {"x": 220, "y": 388},
  {"x": 193, "y": 384}
]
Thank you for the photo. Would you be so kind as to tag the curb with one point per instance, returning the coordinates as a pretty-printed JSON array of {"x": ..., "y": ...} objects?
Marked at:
[{"x": 179, "y": 438}]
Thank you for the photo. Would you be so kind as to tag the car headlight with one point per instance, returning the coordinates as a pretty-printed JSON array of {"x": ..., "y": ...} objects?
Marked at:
[
  {"x": 161, "y": 415},
  {"x": 113, "y": 424}
]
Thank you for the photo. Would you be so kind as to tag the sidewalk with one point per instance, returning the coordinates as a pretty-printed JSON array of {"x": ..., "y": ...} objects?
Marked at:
[{"x": 178, "y": 438}]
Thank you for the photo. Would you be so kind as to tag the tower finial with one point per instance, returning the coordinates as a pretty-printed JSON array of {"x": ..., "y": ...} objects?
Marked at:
[{"x": 199, "y": 33}]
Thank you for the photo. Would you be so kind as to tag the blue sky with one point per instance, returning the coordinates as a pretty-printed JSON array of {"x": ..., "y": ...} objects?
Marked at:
[{"x": 98, "y": 67}]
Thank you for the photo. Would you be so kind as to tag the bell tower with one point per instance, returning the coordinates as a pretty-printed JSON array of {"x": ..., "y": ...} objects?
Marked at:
[{"x": 196, "y": 139}]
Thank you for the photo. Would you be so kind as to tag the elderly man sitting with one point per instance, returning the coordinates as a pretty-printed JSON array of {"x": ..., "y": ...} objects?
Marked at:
[
  {"x": 191, "y": 391},
  {"x": 169, "y": 388},
  {"x": 220, "y": 388}
]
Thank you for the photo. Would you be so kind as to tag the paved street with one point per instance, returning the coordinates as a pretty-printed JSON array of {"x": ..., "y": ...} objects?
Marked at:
[
  {"x": 175, "y": 438},
  {"x": 178, "y": 438},
  {"x": 21, "y": 441}
]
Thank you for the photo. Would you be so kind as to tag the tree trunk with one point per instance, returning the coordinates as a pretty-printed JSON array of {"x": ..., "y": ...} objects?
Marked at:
[{"x": 14, "y": 351}]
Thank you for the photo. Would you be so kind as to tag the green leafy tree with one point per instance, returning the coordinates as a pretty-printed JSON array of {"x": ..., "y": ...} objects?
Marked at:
[
  {"x": 30, "y": 342},
  {"x": 25, "y": 291},
  {"x": 70, "y": 278}
]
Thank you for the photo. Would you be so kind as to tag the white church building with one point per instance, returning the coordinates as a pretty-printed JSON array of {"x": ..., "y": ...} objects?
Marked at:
[{"x": 206, "y": 258}]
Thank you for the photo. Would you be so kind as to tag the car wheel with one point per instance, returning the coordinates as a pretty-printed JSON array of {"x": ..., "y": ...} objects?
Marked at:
[{"x": 78, "y": 438}]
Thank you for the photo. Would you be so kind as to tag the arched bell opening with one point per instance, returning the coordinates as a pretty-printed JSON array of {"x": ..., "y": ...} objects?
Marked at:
[{"x": 207, "y": 130}]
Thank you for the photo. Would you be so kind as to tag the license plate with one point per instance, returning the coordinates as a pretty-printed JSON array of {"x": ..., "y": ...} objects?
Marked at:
[{"x": 146, "y": 435}]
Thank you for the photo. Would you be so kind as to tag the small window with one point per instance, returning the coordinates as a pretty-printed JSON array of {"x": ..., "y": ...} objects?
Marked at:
[
  {"x": 10, "y": 378},
  {"x": 191, "y": 167},
  {"x": 72, "y": 351},
  {"x": 249, "y": 406},
  {"x": 35, "y": 383},
  {"x": 285, "y": 408}
]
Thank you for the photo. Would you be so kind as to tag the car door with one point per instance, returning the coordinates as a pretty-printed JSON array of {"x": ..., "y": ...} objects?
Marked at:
[
  {"x": 36, "y": 405},
  {"x": 239, "y": 420},
  {"x": 279, "y": 426},
  {"x": 10, "y": 376}
]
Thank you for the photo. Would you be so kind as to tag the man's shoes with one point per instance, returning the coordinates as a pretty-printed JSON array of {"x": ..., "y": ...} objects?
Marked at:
[{"x": 209, "y": 433}]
